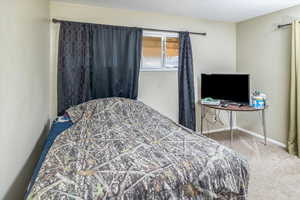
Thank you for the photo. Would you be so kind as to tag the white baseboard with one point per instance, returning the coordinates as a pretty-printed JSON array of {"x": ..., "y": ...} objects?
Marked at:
[
  {"x": 262, "y": 137},
  {"x": 215, "y": 130},
  {"x": 248, "y": 132}
]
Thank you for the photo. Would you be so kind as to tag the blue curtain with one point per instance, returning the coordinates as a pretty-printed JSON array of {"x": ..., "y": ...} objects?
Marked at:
[
  {"x": 97, "y": 61},
  {"x": 187, "y": 116}
]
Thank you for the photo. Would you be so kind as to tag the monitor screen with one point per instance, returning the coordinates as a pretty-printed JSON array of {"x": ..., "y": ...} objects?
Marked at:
[{"x": 230, "y": 87}]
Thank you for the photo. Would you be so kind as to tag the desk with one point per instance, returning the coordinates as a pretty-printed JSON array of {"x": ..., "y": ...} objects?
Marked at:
[{"x": 236, "y": 108}]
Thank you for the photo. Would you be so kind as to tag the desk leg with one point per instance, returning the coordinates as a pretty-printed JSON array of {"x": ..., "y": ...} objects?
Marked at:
[
  {"x": 231, "y": 127},
  {"x": 264, "y": 125},
  {"x": 202, "y": 117}
]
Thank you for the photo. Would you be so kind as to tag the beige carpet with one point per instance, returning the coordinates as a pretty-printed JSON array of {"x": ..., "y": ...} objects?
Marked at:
[{"x": 274, "y": 174}]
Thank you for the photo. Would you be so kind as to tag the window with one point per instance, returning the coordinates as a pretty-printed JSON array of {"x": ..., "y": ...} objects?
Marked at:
[{"x": 160, "y": 51}]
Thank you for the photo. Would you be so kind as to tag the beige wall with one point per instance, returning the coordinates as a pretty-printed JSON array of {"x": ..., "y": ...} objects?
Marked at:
[
  {"x": 264, "y": 52},
  {"x": 215, "y": 52},
  {"x": 24, "y": 93}
]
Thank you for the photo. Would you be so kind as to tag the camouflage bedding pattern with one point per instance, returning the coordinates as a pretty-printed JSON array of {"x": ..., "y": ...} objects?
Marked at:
[{"x": 122, "y": 149}]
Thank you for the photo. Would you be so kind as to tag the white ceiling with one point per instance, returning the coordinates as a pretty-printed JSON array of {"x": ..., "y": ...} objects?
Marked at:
[{"x": 222, "y": 10}]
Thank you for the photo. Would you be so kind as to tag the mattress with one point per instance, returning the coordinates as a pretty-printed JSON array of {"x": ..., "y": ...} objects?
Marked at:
[{"x": 123, "y": 149}]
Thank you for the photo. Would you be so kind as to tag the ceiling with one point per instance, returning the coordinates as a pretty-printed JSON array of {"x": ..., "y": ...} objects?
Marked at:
[{"x": 221, "y": 10}]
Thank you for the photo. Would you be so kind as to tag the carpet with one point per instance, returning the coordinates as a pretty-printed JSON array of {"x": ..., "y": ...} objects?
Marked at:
[{"x": 274, "y": 174}]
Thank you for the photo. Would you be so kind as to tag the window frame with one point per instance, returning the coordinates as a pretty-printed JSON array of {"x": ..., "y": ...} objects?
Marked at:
[{"x": 163, "y": 66}]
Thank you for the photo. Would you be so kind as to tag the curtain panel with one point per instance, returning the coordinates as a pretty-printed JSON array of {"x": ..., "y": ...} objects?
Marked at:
[
  {"x": 74, "y": 64},
  {"x": 187, "y": 116},
  {"x": 116, "y": 61},
  {"x": 294, "y": 120},
  {"x": 97, "y": 61}
]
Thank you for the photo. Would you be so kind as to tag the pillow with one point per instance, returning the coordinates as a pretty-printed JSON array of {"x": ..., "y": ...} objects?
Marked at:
[{"x": 76, "y": 112}]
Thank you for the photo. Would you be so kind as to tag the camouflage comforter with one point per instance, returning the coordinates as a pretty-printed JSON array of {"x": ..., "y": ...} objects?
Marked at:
[{"x": 123, "y": 149}]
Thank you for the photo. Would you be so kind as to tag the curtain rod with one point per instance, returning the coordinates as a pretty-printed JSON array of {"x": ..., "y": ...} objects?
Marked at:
[
  {"x": 283, "y": 25},
  {"x": 148, "y": 29}
]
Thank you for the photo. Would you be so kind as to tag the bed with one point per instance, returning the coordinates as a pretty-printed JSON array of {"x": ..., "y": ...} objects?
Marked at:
[{"x": 118, "y": 148}]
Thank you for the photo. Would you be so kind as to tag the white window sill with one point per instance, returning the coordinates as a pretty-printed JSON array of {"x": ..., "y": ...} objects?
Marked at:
[{"x": 165, "y": 69}]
